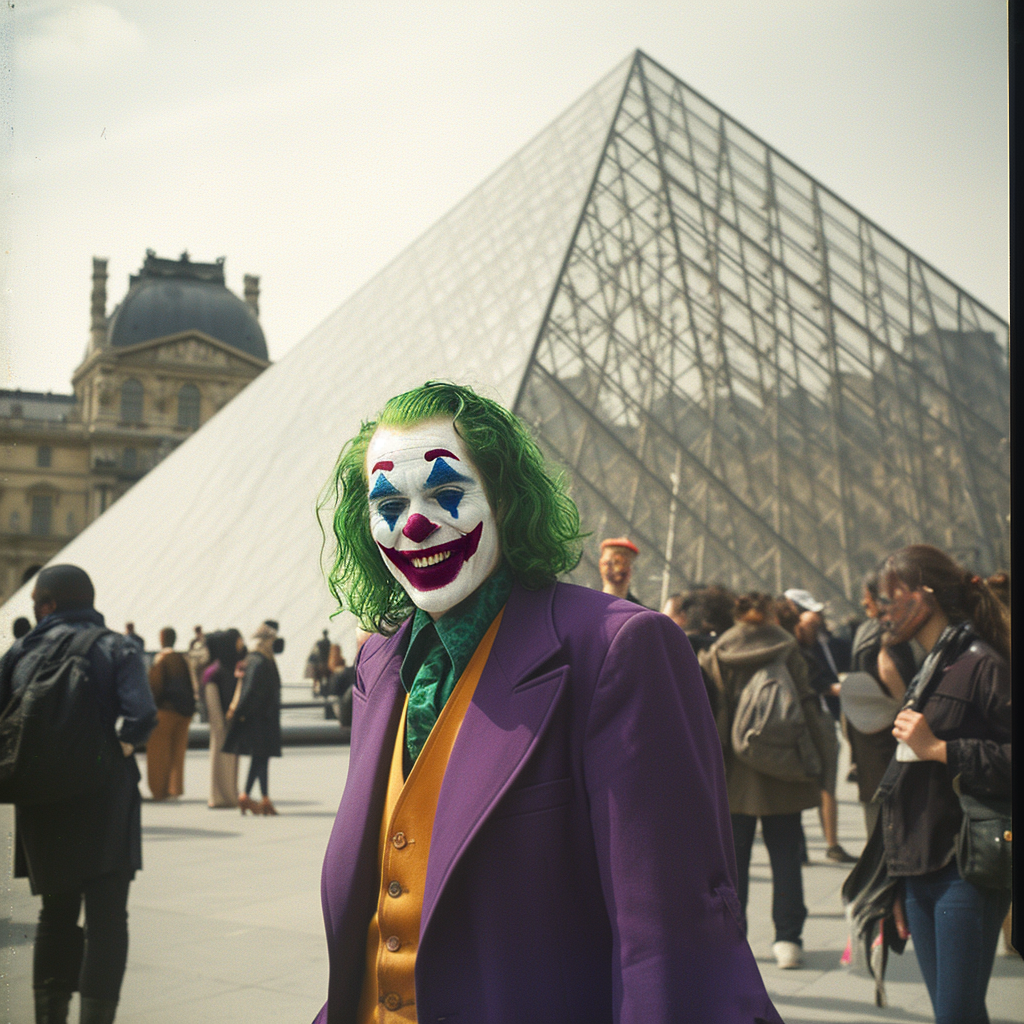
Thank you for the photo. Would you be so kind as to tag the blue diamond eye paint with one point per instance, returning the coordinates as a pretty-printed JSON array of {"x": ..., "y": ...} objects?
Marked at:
[
  {"x": 442, "y": 473},
  {"x": 382, "y": 487},
  {"x": 390, "y": 510},
  {"x": 449, "y": 500}
]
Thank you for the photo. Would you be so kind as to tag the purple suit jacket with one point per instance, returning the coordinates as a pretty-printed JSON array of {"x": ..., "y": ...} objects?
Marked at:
[{"x": 581, "y": 864}]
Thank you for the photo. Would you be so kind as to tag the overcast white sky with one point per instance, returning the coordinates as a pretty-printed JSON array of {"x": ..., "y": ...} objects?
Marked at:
[{"x": 310, "y": 142}]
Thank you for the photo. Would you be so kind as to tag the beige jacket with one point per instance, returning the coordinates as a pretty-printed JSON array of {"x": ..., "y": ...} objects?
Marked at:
[{"x": 730, "y": 662}]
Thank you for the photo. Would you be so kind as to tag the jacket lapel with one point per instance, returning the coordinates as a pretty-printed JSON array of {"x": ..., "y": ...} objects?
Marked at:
[
  {"x": 510, "y": 708},
  {"x": 349, "y": 883}
]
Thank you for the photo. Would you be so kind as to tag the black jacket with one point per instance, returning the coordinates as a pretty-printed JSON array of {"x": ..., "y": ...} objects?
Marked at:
[
  {"x": 970, "y": 709},
  {"x": 256, "y": 725},
  {"x": 59, "y": 846}
]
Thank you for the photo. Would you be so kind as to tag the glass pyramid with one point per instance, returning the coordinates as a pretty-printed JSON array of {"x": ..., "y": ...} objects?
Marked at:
[
  {"x": 754, "y": 382},
  {"x": 743, "y": 374}
]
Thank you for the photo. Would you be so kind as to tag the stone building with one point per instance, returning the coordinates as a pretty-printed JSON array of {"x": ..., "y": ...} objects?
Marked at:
[{"x": 176, "y": 349}]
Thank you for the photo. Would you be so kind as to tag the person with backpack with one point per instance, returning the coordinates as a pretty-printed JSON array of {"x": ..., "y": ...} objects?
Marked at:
[
  {"x": 770, "y": 760},
  {"x": 174, "y": 690},
  {"x": 84, "y": 847}
]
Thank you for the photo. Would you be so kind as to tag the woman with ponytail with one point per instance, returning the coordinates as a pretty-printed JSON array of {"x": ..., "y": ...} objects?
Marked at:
[{"x": 953, "y": 737}]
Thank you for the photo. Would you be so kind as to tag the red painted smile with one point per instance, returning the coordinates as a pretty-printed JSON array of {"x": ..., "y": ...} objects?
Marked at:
[{"x": 436, "y": 567}]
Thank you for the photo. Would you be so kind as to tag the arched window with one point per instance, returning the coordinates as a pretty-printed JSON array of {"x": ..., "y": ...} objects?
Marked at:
[
  {"x": 131, "y": 401},
  {"x": 188, "y": 406}
]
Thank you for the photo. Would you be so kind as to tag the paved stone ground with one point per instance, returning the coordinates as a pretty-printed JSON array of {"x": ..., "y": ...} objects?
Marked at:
[{"x": 225, "y": 917}]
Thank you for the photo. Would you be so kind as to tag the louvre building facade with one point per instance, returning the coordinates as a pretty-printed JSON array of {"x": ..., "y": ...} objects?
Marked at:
[{"x": 738, "y": 370}]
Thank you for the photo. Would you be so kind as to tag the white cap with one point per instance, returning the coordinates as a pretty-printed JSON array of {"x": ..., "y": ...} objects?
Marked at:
[{"x": 805, "y": 600}]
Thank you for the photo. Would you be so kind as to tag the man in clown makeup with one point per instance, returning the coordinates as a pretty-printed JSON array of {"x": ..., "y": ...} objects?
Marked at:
[{"x": 534, "y": 826}]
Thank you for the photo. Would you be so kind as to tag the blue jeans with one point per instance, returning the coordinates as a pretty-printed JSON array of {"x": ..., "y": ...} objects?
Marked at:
[
  {"x": 783, "y": 837},
  {"x": 955, "y": 928}
]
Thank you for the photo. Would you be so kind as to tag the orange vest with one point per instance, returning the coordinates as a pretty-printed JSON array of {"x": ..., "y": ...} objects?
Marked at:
[{"x": 389, "y": 983}]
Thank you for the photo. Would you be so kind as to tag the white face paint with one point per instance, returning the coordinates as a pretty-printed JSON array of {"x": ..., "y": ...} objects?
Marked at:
[{"x": 429, "y": 514}]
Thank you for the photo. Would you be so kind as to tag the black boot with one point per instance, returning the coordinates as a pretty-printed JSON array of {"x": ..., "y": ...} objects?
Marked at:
[
  {"x": 51, "y": 1005},
  {"x": 97, "y": 1011}
]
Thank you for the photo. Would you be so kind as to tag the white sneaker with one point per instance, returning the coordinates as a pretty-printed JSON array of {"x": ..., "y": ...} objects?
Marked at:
[{"x": 788, "y": 955}]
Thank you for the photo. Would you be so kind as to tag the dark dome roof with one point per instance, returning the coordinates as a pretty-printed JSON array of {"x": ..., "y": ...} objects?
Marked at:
[{"x": 171, "y": 296}]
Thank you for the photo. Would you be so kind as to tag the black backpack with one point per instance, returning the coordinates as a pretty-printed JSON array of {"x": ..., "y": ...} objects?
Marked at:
[{"x": 54, "y": 744}]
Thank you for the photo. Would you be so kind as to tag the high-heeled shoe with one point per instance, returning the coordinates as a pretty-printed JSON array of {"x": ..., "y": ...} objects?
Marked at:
[
  {"x": 264, "y": 807},
  {"x": 246, "y": 803}
]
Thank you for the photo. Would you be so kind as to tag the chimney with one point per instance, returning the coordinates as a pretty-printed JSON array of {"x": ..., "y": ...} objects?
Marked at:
[
  {"x": 98, "y": 330},
  {"x": 252, "y": 292}
]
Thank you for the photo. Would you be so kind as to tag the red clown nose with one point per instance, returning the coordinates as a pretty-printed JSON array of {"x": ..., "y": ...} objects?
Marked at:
[{"x": 418, "y": 528}]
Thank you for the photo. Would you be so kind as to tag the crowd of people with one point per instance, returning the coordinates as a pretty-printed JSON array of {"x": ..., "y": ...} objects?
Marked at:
[
  {"x": 239, "y": 688},
  {"x": 925, "y": 669},
  {"x": 588, "y": 730}
]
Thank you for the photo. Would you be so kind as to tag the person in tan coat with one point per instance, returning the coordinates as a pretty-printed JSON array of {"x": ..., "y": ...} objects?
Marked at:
[
  {"x": 754, "y": 641},
  {"x": 174, "y": 691}
]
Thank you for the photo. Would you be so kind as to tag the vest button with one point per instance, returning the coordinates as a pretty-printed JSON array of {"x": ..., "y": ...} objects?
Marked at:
[
  {"x": 399, "y": 840},
  {"x": 394, "y": 944},
  {"x": 392, "y": 1000},
  {"x": 395, "y": 889}
]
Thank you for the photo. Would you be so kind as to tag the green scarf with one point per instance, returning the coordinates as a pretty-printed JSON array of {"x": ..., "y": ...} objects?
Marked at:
[{"x": 439, "y": 652}]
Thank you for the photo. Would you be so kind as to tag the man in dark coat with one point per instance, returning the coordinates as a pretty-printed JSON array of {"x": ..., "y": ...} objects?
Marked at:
[{"x": 90, "y": 847}]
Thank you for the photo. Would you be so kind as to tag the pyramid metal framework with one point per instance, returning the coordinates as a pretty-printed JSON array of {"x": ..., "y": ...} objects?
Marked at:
[
  {"x": 738, "y": 370},
  {"x": 752, "y": 380}
]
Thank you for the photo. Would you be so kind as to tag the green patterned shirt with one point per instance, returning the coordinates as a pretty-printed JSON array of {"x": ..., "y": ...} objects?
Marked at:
[{"x": 439, "y": 652}]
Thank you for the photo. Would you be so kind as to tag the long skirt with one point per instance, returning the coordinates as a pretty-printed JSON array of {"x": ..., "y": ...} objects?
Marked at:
[{"x": 223, "y": 767}]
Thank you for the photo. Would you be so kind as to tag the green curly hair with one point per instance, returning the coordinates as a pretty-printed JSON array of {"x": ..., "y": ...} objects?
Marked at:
[{"x": 538, "y": 523}]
